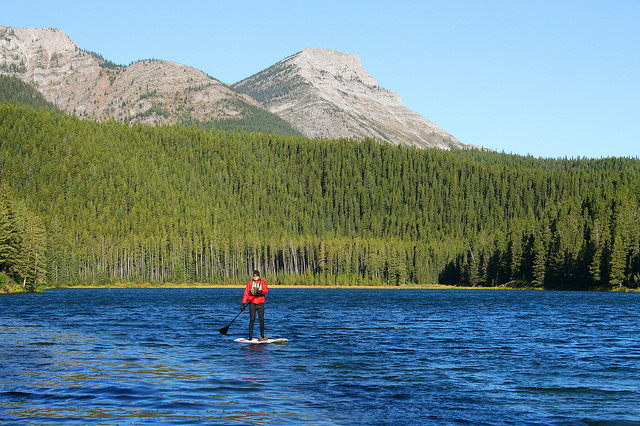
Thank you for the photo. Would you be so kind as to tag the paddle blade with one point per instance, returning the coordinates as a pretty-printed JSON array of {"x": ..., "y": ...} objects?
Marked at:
[{"x": 224, "y": 330}]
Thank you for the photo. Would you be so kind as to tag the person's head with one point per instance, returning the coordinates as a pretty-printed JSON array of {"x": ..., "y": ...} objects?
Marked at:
[{"x": 256, "y": 275}]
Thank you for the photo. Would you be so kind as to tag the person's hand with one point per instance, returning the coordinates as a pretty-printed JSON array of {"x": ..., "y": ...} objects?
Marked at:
[{"x": 242, "y": 306}]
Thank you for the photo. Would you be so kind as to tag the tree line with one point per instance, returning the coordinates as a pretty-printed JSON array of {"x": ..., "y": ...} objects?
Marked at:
[
  {"x": 19, "y": 92},
  {"x": 186, "y": 204},
  {"x": 22, "y": 246}
]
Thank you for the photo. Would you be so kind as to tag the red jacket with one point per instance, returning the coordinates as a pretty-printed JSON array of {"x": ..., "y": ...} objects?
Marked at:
[{"x": 254, "y": 299}]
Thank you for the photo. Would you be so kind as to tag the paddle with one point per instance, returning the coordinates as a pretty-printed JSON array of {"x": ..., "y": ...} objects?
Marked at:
[{"x": 224, "y": 330}]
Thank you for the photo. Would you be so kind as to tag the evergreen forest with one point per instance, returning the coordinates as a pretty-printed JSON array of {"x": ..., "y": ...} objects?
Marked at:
[{"x": 85, "y": 202}]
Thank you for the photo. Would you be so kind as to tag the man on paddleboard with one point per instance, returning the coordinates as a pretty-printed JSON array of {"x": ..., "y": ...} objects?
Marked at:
[{"x": 254, "y": 294}]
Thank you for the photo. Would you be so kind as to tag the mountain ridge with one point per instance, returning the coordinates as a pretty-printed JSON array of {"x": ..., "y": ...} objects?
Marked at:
[
  {"x": 84, "y": 84},
  {"x": 320, "y": 93},
  {"x": 332, "y": 88}
]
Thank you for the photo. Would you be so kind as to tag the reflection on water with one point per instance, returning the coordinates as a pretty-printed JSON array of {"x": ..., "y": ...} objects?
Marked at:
[{"x": 355, "y": 356}]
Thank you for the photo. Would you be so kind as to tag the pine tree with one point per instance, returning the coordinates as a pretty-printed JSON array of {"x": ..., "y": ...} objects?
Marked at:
[
  {"x": 8, "y": 237},
  {"x": 617, "y": 262},
  {"x": 539, "y": 258},
  {"x": 596, "y": 251}
]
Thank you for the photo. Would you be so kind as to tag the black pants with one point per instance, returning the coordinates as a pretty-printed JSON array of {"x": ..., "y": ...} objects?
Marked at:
[{"x": 252, "y": 318}]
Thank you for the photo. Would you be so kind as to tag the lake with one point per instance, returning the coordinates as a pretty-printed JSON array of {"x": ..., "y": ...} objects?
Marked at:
[{"x": 355, "y": 356}]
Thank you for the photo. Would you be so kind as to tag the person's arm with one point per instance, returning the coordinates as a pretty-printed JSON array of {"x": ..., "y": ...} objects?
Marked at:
[{"x": 245, "y": 296}]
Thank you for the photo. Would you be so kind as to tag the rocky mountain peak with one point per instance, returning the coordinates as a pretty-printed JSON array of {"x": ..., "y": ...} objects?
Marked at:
[
  {"x": 328, "y": 69},
  {"x": 314, "y": 63},
  {"x": 328, "y": 94},
  {"x": 322, "y": 93},
  {"x": 34, "y": 48},
  {"x": 85, "y": 84}
]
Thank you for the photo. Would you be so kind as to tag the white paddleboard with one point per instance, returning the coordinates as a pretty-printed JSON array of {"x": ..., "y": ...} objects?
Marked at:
[{"x": 280, "y": 341}]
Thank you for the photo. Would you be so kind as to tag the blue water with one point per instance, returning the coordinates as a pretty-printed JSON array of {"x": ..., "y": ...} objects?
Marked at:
[{"x": 135, "y": 356}]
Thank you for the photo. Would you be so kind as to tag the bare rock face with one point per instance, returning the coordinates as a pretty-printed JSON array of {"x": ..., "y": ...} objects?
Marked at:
[
  {"x": 322, "y": 93},
  {"x": 83, "y": 83},
  {"x": 328, "y": 94}
]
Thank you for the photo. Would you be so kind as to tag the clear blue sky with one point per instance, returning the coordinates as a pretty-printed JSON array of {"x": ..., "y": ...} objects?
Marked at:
[{"x": 549, "y": 78}]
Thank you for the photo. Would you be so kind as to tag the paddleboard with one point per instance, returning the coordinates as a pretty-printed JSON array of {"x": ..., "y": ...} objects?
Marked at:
[{"x": 280, "y": 341}]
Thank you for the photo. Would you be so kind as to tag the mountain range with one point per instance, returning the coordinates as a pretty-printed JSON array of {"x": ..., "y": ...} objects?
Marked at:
[{"x": 319, "y": 93}]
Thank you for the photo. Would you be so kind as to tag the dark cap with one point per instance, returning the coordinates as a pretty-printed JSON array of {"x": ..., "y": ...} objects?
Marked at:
[{"x": 256, "y": 272}]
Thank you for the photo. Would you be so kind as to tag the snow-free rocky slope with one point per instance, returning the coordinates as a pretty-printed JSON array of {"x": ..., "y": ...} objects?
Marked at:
[
  {"x": 328, "y": 94},
  {"x": 84, "y": 84},
  {"x": 322, "y": 93}
]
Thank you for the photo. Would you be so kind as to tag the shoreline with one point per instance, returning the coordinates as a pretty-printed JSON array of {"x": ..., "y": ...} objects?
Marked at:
[
  {"x": 272, "y": 286},
  {"x": 121, "y": 285},
  {"x": 293, "y": 286},
  {"x": 327, "y": 286}
]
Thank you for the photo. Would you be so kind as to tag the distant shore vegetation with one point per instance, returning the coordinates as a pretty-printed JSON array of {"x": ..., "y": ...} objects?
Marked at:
[{"x": 88, "y": 203}]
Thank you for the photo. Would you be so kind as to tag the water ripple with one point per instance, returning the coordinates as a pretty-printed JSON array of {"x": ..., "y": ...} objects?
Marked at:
[{"x": 418, "y": 357}]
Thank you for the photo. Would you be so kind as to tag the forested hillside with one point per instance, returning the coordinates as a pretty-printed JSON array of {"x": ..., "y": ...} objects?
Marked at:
[
  {"x": 14, "y": 90},
  {"x": 252, "y": 119},
  {"x": 174, "y": 204}
]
